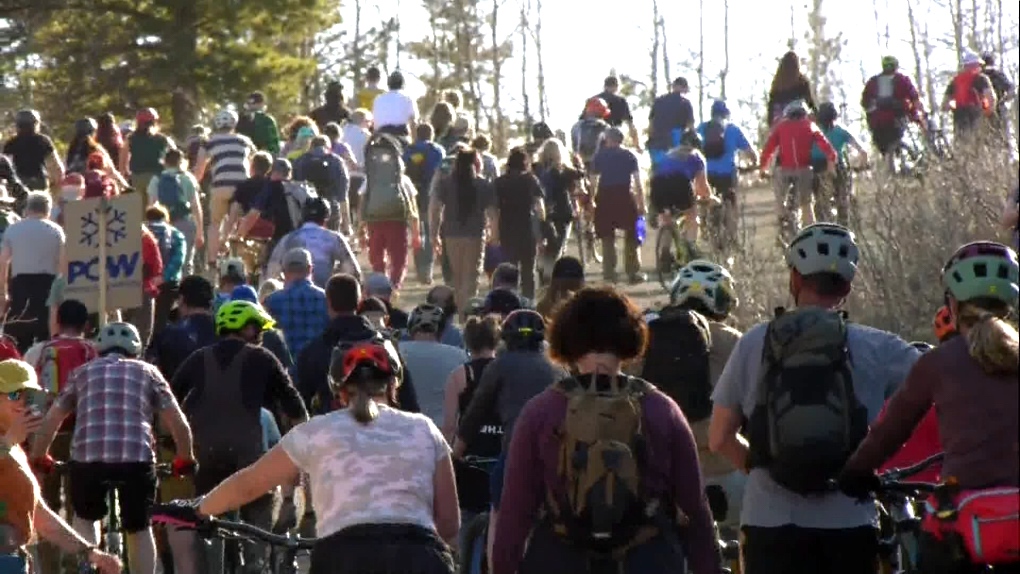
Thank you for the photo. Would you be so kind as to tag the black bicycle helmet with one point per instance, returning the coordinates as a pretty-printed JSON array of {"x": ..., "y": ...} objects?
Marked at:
[
  {"x": 502, "y": 302},
  {"x": 85, "y": 127},
  {"x": 541, "y": 131},
  {"x": 315, "y": 209},
  {"x": 827, "y": 113},
  {"x": 691, "y": 139},
  {"x": 523, "y": 327},
  {"x": 26, "y": 118}
]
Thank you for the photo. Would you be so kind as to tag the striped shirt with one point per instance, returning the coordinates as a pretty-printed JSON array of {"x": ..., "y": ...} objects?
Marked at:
[{"x": 229, "y": 155}]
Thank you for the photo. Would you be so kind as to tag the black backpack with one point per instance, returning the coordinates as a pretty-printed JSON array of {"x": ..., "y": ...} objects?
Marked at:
[
  {"x": 677, "y": 360},
  {"x": 715, "y": 140},
  {"x": 316, "y": 173},
  {"x": 807, "y": 420}
]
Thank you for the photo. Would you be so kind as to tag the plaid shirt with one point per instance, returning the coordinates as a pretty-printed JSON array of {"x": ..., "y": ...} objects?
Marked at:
[
  {"x": 115, "y": 400},
  {"x": 300, "y": 312}
]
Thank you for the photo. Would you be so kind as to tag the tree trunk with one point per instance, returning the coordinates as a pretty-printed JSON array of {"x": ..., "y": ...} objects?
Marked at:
[
  {"x": 498, "y": 132},
  {"x": 434, "y": 82},
  {"x": 919, "y": 76},
  {"x": 956, "y": 12},
  {"x": 701, "y": 59},
  {"x": 525, "y": 7},
  {"x": 184, "y": 98},
  {"x": 726, "y": 49},
  {"x": 792, "y": 42},
  {"x": 543, "y": 99},
  {"x": 666, "y": 66},
  {"x": 654, "y": 75},
  {"x": 356, "y": 49}
]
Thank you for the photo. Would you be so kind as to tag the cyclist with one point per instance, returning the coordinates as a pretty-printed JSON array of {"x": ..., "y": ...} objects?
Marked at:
[
  {"x": 34, "y": 156},
  {"x": 141, "y": 159},
  {"x": 225, "y": 386},
  {"x": 81, "y": 148},
  {"x": 384, "y": 503},
  {"x": 970, "y": 95},
  {"x": 272, "y": 339},
  {"x": 327, "y": 173},
  {"x": 795, "y": 528},
  {"x": 422, "y": 160},
  {"x": 722, "y": 141},
  {"x": 586, "y": 135},
  {"x": 619, "y": 109},
  {"x": 562, "y": 184},
  {"x": 840, "y": 139},
  {"x": 973, "y": 375},
  {"x": 26, "y": 516},
  {"x": 595, "y": 333},
  {"x": 394, "y": 111},
  {"x": 328, "y": 248},
  {"x": 619, "y": 201},
  {"x": 443, "y": 296},
  {"x": 108, "y": 135},
  {"x": 672, "y": 114},
  {"x": 790, "y": 143},
  {"x": 540, "y": 133},
  {"x": 300, "y": 308},
  {"x": 678, "y": 181},
  {"x": 225, "y": 158},
  {"x": 707, "y": 288},
  {"x": 333, "y": 109},
  {"x": 428, "y": 360},
  {"x": 567, "y": 278},
  {"x": 172, "y": 249},
  {"x": 259, "y": 126},
  {"x": 114, "y": 399},
  {"x": 890, "y": 101}
]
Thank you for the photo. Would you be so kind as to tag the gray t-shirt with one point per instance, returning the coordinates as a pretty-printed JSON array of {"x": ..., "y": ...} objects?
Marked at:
[
  {"x": 430, "y": 365},
  {"x": 473, "y": 222},
  {"x": 35, "y": 246},
  {"x": 880, "y": 362}
]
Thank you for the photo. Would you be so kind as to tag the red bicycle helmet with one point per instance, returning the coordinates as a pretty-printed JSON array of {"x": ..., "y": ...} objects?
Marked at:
[
  {"x": 146, "y": 116},
  {"x": 597, "y": 107},
  {"x": 378, "y": 357},
  {"x": 943, "y": 324}
]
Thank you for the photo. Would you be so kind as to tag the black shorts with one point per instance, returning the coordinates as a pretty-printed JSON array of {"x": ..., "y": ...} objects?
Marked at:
[
  {"x": 136, "y": 491},
  {"x": 725, "y": 186},
  {"x": 671, "y": 192},
  {"x": 887, "y": 137}
]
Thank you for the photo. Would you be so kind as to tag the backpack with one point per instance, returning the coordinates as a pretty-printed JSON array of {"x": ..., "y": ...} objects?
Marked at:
[
  {"x": 677, "y": 360},
  {"x": 165, "y": 241},
  {"x": 589, "y": 137},
  {"x": 715, "y": 140},
  {"x": 415, "y": 167},
  {"x": 316, "y": 173},
  {"x": 807, "y": 420},
  {"x": 602, "y": 456},
  {"x": 227, "y": 433},
  {"x": 964, "y": 93},
  {"x": 384, "y": 199},
  {"x": 170, "y": 194},
  {"x": 57, "y": 359},
  {"x": 296, "y": 194}
]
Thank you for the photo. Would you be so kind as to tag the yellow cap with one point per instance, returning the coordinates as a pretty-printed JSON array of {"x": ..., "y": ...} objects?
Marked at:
[{"x": 16, "y": 375}]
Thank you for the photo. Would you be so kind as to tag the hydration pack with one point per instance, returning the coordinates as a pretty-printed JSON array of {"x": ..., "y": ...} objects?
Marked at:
[{"x": 384, "y": 198}]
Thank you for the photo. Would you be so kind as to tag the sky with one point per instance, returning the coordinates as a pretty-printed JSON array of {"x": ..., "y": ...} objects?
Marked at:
[{"x": 580, "y": 50}]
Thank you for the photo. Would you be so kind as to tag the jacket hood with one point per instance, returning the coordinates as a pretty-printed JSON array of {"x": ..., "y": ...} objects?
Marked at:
[{"x": 348, "y": 328}]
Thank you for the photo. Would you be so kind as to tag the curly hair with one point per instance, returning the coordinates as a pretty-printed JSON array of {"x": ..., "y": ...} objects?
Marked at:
[
  {"x": 597, "y": 320},
  {"x": 296, "y": 124}
]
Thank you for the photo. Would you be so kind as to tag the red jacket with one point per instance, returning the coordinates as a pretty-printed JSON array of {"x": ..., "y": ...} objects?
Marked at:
[
  {"x": 793, "y": 139},
  {"x": 923, "y": 443},
  {"x": 152, "y": 263}
]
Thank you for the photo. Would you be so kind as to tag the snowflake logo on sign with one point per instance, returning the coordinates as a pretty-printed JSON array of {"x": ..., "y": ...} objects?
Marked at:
[{"x": 116, "y": 227}]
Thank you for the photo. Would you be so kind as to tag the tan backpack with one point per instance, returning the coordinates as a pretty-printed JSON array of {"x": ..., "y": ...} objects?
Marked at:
[{"x": 600, "y": 463}]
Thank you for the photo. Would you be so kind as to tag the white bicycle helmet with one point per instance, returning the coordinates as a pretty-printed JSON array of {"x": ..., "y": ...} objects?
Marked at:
[
  {"x": 425, "y": 318},
  {"x": 225, "y": 119},
  {"x": 824, "y": 248},
  {"x": 232, "y": 266},
  {"x": 707, "y": 282},
  {"x": 120, "y": 336}
]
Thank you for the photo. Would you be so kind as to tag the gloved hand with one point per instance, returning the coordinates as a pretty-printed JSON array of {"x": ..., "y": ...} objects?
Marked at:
[
  {"x": 859, "y": 485},
  {"x": 43, "y": 465},
  {"x": 286, "y": 518},
  {"x": 184, "y": 511},
  {"x": 183, "y": 466}
]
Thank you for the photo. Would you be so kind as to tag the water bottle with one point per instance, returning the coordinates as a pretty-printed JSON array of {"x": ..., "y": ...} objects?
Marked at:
[{"x": 640, "y": 230}]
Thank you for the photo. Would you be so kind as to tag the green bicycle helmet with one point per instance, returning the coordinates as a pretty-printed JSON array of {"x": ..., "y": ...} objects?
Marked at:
[
  {"x": 890, "y": 63},
  {"x": 983, "y": 269},
  {"x": 120, "y": 337},
  {"x": 824, "y": 248},
  {"x": 235, "y": 315}
]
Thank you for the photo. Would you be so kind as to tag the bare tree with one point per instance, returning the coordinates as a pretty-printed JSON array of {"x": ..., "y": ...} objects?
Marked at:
[
  {"x": 726, "y": 49},
  {"x": 499, "y": 130},
  {"x": 525, "y": 9},
  {"x": 666, "y": 67},
  {"x": 654, "y": 52},
  {"x": 701, "y": 59},
  {"x": 543, "y": 100}
]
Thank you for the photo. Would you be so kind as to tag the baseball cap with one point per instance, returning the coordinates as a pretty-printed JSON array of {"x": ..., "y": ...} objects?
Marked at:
[
  {"x": 244, "y": 293},
  {"x": 17, "y": 375},
  {"x": 298, "y": 256},
  {"x": 378, "y": 284}
]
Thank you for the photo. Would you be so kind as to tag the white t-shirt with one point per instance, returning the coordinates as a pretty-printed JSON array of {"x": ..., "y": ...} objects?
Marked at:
[
  {"x": 380, "y": 473},
  {"x": 356, "y": 137},
  {"x": 394, "y": 108}
]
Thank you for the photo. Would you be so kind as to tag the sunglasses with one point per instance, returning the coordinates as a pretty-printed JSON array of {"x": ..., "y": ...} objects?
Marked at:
[{"x": 15, "y": 396}]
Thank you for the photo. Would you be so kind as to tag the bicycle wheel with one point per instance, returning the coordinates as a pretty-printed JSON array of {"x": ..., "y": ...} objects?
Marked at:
[
  {"x": 593, "y": 243},
  {"x": 667, "y": 254},
  {"x": 473, "y": 559}
]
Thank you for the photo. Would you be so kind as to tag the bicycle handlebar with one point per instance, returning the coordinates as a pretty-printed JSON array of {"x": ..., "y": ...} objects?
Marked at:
[
  {"x": 217, "y": 528},
  {"x": 892, "y": 481}
]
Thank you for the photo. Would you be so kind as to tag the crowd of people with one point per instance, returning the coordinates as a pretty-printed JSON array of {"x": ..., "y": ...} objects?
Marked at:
[{"x": 621, "y": 439}]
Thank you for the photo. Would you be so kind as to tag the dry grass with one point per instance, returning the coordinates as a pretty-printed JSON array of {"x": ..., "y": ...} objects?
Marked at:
[{"x": 906, "y": 229}]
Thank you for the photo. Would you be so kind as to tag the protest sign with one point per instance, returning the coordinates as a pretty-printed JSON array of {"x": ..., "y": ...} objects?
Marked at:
[{"x": 123, "y": 252}]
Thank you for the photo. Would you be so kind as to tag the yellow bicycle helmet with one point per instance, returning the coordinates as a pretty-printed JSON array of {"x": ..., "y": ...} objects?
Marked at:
[{"x": 235, "y": 315}]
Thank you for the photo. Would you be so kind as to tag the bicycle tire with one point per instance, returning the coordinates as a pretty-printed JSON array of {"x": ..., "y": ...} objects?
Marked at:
[
  {"x": 476, "y": 531},
  {"x": 667, "y": 256}
]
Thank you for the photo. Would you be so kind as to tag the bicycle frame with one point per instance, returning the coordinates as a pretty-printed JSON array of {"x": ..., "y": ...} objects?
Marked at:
[{"x": 898, "y": 516}]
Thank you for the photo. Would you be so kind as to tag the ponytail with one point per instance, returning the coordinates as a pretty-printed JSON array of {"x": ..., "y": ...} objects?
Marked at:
[
  {"x": 360, "y": 397},
  {"x": 992, "y": 341},
  {"x": 364, "y": 408}
]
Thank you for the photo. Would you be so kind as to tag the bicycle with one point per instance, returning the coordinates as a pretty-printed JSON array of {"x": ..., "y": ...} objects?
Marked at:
[
  {"x": 589, "y": 245},
  {"x": 834, "y": 193},
  {"x": 899, "y": 516},
  {"x": 112, "y": 538},
  {"x": 721, "y": 220},
  {"x": 473, "y": 557},
  {"x": 672, "y": 248},
  {"x": 210, "y": 527}
]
